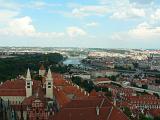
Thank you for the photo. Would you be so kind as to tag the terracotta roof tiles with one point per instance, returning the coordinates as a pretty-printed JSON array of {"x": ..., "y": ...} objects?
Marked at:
[{"x": 87, "y": 110}]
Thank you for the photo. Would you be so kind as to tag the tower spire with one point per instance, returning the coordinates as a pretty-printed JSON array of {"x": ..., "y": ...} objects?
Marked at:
[
  {"x": 28, "y": 77},
  {"x": 49, "y": 75},
  {"x": 28, "y": 84},
  {"x": 49, "y": 85},
  {"x": 42, "y": 70}
]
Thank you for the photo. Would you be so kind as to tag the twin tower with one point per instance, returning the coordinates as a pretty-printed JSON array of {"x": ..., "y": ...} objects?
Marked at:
[{"x": 48, "y": 83}]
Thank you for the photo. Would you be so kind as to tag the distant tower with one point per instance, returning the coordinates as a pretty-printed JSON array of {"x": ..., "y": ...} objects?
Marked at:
[
  {"x": 28, "y": 84},
  {"x": 42, "y": 70},
  {"x": 49, "y": 85}
]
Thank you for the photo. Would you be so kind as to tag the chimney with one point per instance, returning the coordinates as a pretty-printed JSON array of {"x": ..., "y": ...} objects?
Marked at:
[
  {"x": 81, "y": 90},
  {"x": 97, "y": 110},
  {"x": 77, "y": 87}
]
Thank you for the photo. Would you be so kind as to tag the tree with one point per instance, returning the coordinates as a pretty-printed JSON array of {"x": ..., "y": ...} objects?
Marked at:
[
  {"x": 143, "y": 117},
  {"x": 77, "y": 80},
  {"x": 135, "y": 64},
  {"x": 145, "y": 86},
  {"x": 127, "y": 111},
  {"x": 12, "y": 67},
  {"x": 157, "y": 118},
  {"x": 86, "y": 84},
  {"x": 113, "y": 78},
  {"x": 157, "y": 81}
]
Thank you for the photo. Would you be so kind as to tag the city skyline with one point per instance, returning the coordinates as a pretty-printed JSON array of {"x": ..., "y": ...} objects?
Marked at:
[{"x": 89, "y": 24}]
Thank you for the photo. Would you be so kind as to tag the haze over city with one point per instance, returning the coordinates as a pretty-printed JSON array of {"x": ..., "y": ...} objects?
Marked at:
[{"x": 80, "y": 23}]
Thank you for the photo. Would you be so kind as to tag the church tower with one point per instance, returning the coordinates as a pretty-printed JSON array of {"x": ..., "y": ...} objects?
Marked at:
[
  {"x": 49, "y": 85},
  {"x": 28, "y": 84},
  {"x": 42, "y": 70}
]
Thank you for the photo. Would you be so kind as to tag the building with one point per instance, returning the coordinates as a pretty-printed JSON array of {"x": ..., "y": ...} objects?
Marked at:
[
  {"x": 53, "y": 97},
  {"x": 90, "y": 109},
  {"x": 42, "y": 70}
]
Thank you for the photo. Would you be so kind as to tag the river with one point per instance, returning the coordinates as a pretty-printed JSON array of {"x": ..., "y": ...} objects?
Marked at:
[{"x": 73, "y": 60}]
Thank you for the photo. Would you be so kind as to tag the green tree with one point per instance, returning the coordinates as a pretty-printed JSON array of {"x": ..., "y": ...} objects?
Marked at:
[
  {"x": 157, "y": 118},
  {"x": 12, "y": 67},
  {"x": 127, "y": 111}
]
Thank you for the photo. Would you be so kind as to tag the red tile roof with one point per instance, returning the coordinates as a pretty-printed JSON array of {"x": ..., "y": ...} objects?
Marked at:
[
  {"x": 13, "y": 88},
  {"x": 60, "y": 96},
  {"x": 16, "y": 88},
  {"x": 28, "y": 101},
  {"x": 74, "y": 90},
  {"x": 102, "y": 79},
  {"x": 86, "y": 110},
  {"x": 154, "y": 112},
  {"x": 93, "y": 93},
  {"x": 15, "y": 84}
]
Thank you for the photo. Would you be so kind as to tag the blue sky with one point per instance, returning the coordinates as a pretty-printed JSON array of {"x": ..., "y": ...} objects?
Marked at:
[{"x": 80, "y": 23}]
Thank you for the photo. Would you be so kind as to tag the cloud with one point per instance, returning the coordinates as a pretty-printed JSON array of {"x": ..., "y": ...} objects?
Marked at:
[
  {"x": 22, "y": 24},
  {"x": 41, "y": 4},
  {"x": 38, "y": 4},
  {"x": 19, "y": 26},
  {"x": 83, "y": 11},
  {"x": 131, "y": 13},
  {"x": 124, "y": 9},
  {"x": 156, "y": 15},
  {"x": 7, "y": 15},
  {"x": 92, "y": 24},
  {"x": 10, "y": 5},
  {"x": 23, "y": 27},
  {"x": 34, "y": 4},
  {"x": 142, "y": 1},
  {"x": 143, "y": 31},
  {"x": 75, "y": 32}
]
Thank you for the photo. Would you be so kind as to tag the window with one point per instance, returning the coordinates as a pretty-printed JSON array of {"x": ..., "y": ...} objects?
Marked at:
[
  {"x": 49, "y": 86},
  {"x": 37, "y": 110},
  {"x": 28, "y": 86},
  {"x": 49, "y": 83}
]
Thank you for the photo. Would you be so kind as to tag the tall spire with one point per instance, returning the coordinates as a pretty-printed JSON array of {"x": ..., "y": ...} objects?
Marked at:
[
  {"x": 49, "y": 85},
  {"x": 49, "y": 75},
  {"x": 28, "y": 77}
]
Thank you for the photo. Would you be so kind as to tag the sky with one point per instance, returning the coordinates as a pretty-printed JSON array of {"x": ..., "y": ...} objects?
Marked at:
[{"x": 80, "y": 23}]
